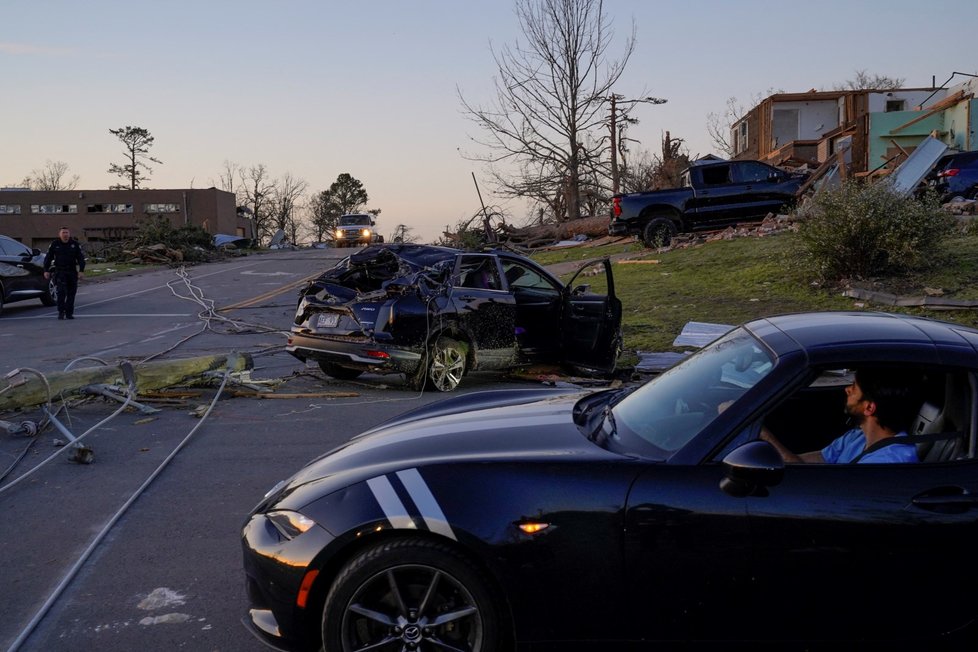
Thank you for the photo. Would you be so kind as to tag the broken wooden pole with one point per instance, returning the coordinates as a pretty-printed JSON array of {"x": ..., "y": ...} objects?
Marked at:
[{"x": 26, "y": 389}]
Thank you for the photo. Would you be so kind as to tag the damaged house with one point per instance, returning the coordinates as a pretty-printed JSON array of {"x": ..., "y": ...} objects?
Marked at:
[{"x": 871, "y": 131}]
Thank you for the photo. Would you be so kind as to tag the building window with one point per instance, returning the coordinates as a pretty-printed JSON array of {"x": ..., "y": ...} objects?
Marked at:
[
  {"x": 9, "y": 209},
  {"x": 896, "y": 105},
  {"x": 161, "y": 208},
  {"x": 54, "y": 208},
  {"x": 740, "y": 137},
  {"x": 110, "y": 208}
]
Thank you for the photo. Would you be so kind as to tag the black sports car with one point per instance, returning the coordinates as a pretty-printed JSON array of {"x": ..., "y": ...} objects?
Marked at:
[
  {"x": 434, "y": 313},
  {"x": 498, "y": 519}
]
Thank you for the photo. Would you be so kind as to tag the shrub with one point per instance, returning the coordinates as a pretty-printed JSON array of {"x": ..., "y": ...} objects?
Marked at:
[{"x": 863, "y": 230}]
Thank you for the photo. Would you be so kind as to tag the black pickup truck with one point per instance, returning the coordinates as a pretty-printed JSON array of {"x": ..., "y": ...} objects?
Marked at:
[{"x": 714, "y": 194}]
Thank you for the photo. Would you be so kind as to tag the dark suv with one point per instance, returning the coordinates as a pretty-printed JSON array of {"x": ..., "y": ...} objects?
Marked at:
[
  {"x": 22, "y": 274},
  {"x": 956, "y": 175},
  {"x": 434, "y": 313}
]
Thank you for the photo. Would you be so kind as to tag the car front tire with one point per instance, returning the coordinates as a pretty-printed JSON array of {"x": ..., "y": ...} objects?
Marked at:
[
  {"x": 411, "y": 594},
  {"x": 50, "y": 298}
]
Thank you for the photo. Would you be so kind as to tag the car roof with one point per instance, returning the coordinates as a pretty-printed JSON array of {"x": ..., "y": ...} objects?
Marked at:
[{"x": 870, "y": 336}]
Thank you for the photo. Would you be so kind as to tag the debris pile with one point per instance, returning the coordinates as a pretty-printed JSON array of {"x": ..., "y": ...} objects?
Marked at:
[
  {"x": 157, "y": 253},
  {"x": 962, "y": 207}
]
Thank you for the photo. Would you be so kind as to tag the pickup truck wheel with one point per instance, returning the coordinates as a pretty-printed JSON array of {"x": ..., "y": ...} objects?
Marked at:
[{"x": 658, "y": 232}]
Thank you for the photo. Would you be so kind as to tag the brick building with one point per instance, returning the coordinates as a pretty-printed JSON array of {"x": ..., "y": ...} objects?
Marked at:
[{"x": 34, "y": 217}]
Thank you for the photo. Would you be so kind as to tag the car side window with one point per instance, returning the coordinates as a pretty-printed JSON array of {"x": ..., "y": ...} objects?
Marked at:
[
  {"x": 938, "y": 415},
  {"x": 522, "y": 276},
  {"x": 479, "y": 272},
  {"x": 716, "y": 175},
  {"x": 751, "y": 172}
]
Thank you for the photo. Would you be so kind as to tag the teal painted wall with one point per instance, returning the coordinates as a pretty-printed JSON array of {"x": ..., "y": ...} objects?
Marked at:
[
  {"x": 880, "y": 125},
  {"x": 957, "y": 126}
]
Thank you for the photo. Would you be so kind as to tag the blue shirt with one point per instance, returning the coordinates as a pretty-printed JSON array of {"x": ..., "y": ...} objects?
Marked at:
[{"x": 851, "y": 445}]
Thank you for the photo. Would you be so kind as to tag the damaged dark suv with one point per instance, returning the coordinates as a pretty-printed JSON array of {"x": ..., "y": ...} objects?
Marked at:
[{"x": 435, "y": 313}]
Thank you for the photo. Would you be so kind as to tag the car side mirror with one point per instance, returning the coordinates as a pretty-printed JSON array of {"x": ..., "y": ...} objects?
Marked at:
[
  {"x": 580, "y": 289},
  {"x": 751, "y": 468},
  {"x": 35, "y": 251}
]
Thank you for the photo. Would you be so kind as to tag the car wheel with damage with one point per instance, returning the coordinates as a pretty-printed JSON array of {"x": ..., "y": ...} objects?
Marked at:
[
  {"x": 411, "y": 594},
  {"x": 443, "y": 367},
  {"x": 336, "y": 371}
]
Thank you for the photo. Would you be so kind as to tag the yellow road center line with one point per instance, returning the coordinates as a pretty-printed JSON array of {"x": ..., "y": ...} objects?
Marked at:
[{"x": 268, "y": 295}]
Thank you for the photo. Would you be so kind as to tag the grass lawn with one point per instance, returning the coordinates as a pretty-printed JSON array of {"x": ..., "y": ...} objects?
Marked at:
[{"x": 732, "y": 281}]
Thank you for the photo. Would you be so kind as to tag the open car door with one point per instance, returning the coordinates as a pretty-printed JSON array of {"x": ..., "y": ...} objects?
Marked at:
[{"x": 591, "y": 322}]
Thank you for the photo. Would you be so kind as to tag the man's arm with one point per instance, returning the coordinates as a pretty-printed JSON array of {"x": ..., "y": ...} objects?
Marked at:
[
  {"x": 81, "y": 260},
  {"x": 812, "y": 457},
  {"x": 47, "y": 261}
]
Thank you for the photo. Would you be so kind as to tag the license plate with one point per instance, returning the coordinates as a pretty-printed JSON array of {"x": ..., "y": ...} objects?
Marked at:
[{"x": 328, "y": 320}]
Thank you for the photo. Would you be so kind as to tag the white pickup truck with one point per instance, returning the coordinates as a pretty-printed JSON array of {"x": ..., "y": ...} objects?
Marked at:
[{"x": 356, "y": 229}]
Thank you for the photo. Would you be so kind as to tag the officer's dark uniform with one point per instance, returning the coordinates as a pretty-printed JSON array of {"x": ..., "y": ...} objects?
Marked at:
[{"x": 61, "y": 260}]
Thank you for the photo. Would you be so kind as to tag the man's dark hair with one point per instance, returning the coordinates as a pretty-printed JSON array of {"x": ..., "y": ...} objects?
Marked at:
[
  {"x": 63, "y": 228},
  {"x": 896, "y": 395}
]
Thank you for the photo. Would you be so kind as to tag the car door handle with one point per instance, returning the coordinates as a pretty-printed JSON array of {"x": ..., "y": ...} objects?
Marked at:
[{"x": 955, "y": 499}]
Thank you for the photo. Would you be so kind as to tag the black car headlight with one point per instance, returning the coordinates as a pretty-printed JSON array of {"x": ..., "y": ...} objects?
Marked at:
[{"x": 290, "y": 524}]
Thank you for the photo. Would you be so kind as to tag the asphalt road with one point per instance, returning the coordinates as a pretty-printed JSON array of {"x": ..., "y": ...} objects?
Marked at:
[{"x": 166, "y": 574}]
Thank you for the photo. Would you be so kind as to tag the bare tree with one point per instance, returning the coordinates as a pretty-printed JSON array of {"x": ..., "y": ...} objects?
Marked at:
[
  {"x": 325, "y": 213},
  {"x": 718, "y": 125},
  {"x": 137, "y": 142},
  {"x": 286, "y": 199},
  {"x": 53, "y": 176},
  {"x": 550, "y": 95},
  {"x": 258, "y": 192},
  {"x": 228, "y": 173},
  {"x": 870, "y": 81}
]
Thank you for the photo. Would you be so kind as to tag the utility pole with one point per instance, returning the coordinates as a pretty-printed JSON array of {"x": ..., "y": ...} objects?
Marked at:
[
  {"x": 615, "y": 180},
  {"x": 615, "y": 101}
]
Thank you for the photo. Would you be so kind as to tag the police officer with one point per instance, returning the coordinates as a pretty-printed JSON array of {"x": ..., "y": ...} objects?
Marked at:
[{"x": 66, "y": 260}]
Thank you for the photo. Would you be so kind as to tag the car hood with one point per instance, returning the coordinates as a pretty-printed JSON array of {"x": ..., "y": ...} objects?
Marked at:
[{"x": 541, "y": 429}]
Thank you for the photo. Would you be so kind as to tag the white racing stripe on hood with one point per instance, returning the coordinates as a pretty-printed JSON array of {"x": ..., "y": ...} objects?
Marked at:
[
  {"x": 389, "y": 502},
  {"x": 433, "y": 517},
  {"x": 496, "y": 419}
]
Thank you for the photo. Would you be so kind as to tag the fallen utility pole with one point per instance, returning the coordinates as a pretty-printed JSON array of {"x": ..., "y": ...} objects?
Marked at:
[{"x": 26, "y": 390}]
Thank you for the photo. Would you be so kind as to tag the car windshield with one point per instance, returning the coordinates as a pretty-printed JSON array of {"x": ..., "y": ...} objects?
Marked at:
[
  {"x": 354, "y": 220},
  {"x": 671, "y": 409}
]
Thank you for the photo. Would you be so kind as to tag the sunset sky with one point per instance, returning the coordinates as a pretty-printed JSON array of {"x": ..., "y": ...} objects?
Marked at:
[{"x": 315, "y": 89}]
